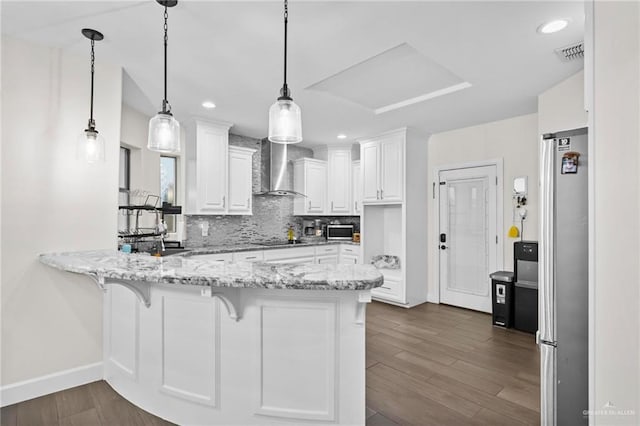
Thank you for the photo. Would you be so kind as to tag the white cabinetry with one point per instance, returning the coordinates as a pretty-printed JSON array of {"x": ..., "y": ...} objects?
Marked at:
[
  {"x": 297, "y": 255},
  {"x": 218, "y": 176},
  {"x": 349, "y": 254},
  {"x": 383, "y": 168},
  {"x": 356, "y": 187},
  {"x": 338, "y": 179},
  {"x": 310, "y": 179},
  {"x": 249, "y": 256},
  {"x": 240, "y": 180},
  {"x": 211, "y": 143},
  {"x": 394, "y": 212},
  {"x": 327, "y": 254}
]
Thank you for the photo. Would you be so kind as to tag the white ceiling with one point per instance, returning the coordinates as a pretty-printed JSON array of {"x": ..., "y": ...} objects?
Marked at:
[{"x": 231, "y": 53}]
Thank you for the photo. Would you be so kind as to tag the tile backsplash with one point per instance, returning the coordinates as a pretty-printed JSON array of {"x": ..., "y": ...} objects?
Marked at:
[{"x": 272, "y": 215}]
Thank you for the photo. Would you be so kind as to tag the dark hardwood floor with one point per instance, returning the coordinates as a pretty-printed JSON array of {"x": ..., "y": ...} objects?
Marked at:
[
  {"x": 441, "y": 365},
  {"x": 429, "y": 365}
]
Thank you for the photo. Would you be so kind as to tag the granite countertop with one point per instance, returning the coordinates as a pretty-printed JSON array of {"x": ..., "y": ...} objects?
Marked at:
[
  {"x": 191, "y": 271},
  {"x": 252, "y": 247}
]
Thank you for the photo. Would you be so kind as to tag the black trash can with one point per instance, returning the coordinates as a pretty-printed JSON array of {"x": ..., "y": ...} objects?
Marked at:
[{"x": 502, "y": 298}]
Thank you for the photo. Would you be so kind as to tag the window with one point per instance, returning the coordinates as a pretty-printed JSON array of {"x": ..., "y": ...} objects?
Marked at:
[
  {"x": 124, "y": 183},
  {"x": 168, "y": 186}
]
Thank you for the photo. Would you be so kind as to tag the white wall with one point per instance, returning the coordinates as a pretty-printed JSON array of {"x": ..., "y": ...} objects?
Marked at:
[
  {"x": 562, "y": 106},
  {"x": 515, "y": 141},
  {"x": 617, "y": 208},
  {"x": 145, "y": 164},
  {"x": 52, "y": 320}
]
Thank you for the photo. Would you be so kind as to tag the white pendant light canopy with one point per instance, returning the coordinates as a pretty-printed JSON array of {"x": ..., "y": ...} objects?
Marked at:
[
  {"x": 285, "y": 118},
  {"x": 90, "y": 144},
  {"x": 164, "y": 129}
]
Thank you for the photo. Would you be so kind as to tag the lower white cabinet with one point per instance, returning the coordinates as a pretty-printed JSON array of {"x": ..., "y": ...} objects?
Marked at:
[
  {"x": 295, "y": 255},
  {"x": 320, "y": 254},
  {"x": 219, "y": 257},
  {"x": 327, "y": 259},
  {"x": 249, "y": 256},
  {"x": 392, "y": 289},
  {"x": 349, "y": 253}
]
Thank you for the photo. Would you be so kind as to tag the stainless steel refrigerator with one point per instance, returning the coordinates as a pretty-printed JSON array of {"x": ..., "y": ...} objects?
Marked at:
[{"x": 563, "y": 278}]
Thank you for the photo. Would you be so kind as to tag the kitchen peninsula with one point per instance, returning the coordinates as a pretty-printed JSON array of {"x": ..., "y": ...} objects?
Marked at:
[{"x": 196, "y": 341}]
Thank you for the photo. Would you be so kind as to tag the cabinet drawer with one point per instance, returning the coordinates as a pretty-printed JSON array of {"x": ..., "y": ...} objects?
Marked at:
[
  {"x": 218, "y": 257},
  {"x": 288, "y": 253},
  {"x": 349, "y": 249},
  {"x": 390, "y": 287},
  {"x": 324, "y": 250},
  {"x": 248, "y": 256}
]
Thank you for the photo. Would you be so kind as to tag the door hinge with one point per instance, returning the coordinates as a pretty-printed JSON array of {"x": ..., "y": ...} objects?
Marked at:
[
  {"x": 496, "y": 180},
  {"x": 496, "y": 239},
  {"x": 433, "y": 191}
]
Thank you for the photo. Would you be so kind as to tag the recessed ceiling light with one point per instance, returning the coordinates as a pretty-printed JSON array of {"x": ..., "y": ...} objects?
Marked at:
[
  {"x": 553, "y": 26},
  {"x": 208, "y": 105},
  {"x": 342, "y": 136}
]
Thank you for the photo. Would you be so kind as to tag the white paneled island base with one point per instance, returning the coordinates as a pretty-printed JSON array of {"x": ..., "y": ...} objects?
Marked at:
[
  {"x": 199, "y": 342},
  {"x": 294, "y": 355}
]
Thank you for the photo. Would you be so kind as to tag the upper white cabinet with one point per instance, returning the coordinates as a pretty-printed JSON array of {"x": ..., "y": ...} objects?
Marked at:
[
  {"x": 382, "y": 163},
  {"x": 310, "y": 179},
  {"x": 212, "y": 141},
  {"x": 333, "y": 186},
  {"x": 356, "y": 187},
  {"x": 339, "y": 179},
  {"x": 240, "y": 173},
  {"x": 218, "y": 176}
]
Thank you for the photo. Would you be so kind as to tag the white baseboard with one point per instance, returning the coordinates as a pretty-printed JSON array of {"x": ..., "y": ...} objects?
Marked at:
[{"x": 44, "y": 385}]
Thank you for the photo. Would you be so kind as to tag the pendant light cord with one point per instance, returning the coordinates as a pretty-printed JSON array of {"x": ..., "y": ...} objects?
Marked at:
[
  {"x": 285, "y": 88},
  {"x": 166, "y": 38},
  {"x": 92, "y": 123}
]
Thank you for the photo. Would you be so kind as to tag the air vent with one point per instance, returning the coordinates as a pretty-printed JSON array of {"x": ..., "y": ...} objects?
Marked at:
[{"x": 571, "y": 52}]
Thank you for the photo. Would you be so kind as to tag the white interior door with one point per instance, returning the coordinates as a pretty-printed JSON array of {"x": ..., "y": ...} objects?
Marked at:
[{"x": 468, "y": 240}]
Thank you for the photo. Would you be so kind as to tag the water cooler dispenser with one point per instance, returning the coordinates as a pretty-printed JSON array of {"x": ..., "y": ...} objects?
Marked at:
[{"x": 525, "y": 259}]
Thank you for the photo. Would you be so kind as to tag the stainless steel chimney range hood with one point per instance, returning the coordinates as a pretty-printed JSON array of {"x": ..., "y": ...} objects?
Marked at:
[{"x": 274, "y": 171}]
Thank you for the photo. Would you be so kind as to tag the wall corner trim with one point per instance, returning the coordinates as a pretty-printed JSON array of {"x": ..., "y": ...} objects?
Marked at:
[{"x": 50, "y": 383}]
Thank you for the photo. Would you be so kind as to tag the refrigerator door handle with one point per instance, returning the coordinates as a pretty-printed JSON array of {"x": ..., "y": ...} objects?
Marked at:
[
  {"x": 546, "y": 294},
  {"x": 547, "y": 385}
]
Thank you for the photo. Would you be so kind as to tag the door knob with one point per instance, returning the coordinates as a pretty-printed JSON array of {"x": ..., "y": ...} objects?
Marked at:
[{"x": 443, "y": 247}]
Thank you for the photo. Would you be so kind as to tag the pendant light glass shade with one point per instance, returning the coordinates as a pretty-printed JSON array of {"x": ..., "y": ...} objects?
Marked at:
[
  {"x": 91, "y": 146},
  {"x": 164, "y": 129},
  {"x": 164, "y": 134},
  {"x": 285, "y": 122},
  {"x": 285, "y": 117}
]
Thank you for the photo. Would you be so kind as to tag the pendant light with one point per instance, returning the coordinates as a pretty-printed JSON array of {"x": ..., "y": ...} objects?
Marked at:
[
  {"x": 90, "y": 142},
  {"x": 164, "y": 129},
  {"x": 285, "y": 121}
]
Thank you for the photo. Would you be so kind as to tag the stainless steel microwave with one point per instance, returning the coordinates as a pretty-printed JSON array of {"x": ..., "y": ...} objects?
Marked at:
[{"x": 340, "y": 232}]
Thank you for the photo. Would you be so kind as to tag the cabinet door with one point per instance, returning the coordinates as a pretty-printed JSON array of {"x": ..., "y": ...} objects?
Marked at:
[
  {"x": 369, "y": 162},
  {"x": 356, "y": 185},
  {"x": 248, "y": 256},
  {"x": 349, "y": 259},
  {"x": 392, "y": 169},
  {"x": 316, "y": 185},
  {"x": 211, "y": 169},
  {"x": 331, "y": 259},
  {"x": 240, "y": 169},
  {"x": 339, "y": 178}
]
